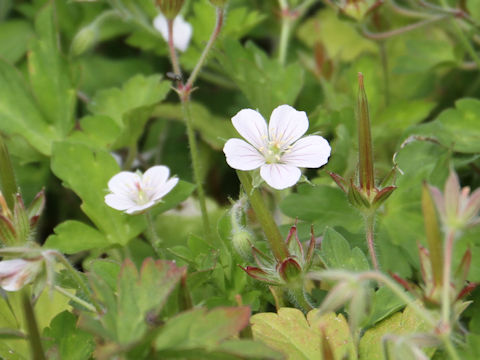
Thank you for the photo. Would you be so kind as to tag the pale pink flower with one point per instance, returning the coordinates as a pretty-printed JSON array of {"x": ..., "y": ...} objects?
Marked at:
[
  {"x": 134, "y": 192},
  {"x": 182, "y": 31},
  {"x": 16, "y": 273},
  {"x": 279, "y": 150}
]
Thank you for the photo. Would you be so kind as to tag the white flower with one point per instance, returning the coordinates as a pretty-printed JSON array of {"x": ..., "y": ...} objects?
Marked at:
[
  {"x": 182, "y": 31},
  {"x": 278, "y": 151},
  {"x": 16, "y": 273},
  {"x": 134, "y": 192}
]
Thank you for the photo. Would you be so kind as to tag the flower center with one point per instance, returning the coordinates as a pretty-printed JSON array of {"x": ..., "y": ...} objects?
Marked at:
[
  {"x": 142, "y": 197},
  {"x": 274, "y": 152}
]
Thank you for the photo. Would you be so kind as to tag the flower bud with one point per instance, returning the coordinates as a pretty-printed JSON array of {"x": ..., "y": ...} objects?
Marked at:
[
  {"x": 170, "y": 8},
  {"x": 84, "y": 40},
  {"x": 219, "y": 3},
  {"x": 242, "y": 241}
]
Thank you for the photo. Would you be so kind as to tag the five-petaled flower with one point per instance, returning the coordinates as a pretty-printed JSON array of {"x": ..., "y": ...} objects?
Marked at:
[
  {"x": 278, "y": 151},
  {"x": 134, "y": 192},
  {"x": 182, "y": 31}
]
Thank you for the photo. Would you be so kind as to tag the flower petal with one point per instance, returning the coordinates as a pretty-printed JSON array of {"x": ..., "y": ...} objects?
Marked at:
[
  {"x": 155, "y": 177},
  {"x": 287, "y": 125},
  {"x": 280, "y": 176},
  {"x": 182, "y": 33},
  {"x": 252, "y": 126},
  {"x": 124, "y": 183},
  {"x": 9, "y": 267},
  {"x": 242, "y": 156},
  {"x": 139, "y": 208},
  {"x": 160, "y": 23},
  {"x": 119, "y": 202},
  {"x": 165, "y": 189},
  {"x": 310, "y": 152}
]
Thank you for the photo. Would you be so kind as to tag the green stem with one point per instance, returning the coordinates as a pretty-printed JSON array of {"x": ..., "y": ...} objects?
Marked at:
[
  {"x": 299, "y": 297},
  {"x": 33, "y": 332},
  {"x": 386, "y": 82},
  {"x": 452, "y": 352},
  {"x": 264, "y": 217},
  {"x": 75, "y": 298},
  {"x": 206, "y": 50},
  {"x": 447, "y": 268},
  {"x": 7, "y": 176},
  {"x": 284, "y": 36},
  {"x": 388, "y": 34},
  {"x": 131, "y": 156},
  {"x": 153, "y": 236},
  {"x": 192, "y": 142},
  {"x": 463, "y": 39},
  {"x": 173, "y": 52},
  {"x": 79, "y": 280},
  {"x": 370, "y": 228}
]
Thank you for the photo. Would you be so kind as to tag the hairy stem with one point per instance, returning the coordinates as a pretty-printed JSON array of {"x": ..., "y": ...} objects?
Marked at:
[
  {"x": 197, "y": 174},
  {"x": 79, "y": 280},
  {"x": 75, "y": 298},
  {"x": 447, "y": 269},
  {"x": 208, "y": 47},
  {"x": 32, "y": 325},
  {"x": 264, "y": 217},
  {"x": 153, "y": 236},
  {"x": 370, "y": 228}
]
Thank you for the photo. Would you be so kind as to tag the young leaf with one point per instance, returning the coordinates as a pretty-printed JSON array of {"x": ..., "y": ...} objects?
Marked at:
[{"x": 299, "y": 337}]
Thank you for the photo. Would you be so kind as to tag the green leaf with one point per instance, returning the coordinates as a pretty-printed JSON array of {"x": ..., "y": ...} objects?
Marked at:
[
  {"x": 324, "y": 205},
  {"x": 401, "y": 323},
  {"x": 49, "y": 74},
  {"x": 456, "y": 128},
  {"x": 19, "y": 112},
  {"x": 97, "y": 131},
  {"x": 131, "y": 106},
  {"x": 340, "y": 39},
  {"x": 73, "y": 236},
  {"x": 384, "y": 303},
  {"x": 66, "y": 341},
  {"x": 200, "y": 328},
  {"x": 137, "y": 297},
  {"x": 87, "y": 171},
  {"x": 301, "y": 338},
  {"x": 264, "y": 81},
  {"x": 336, "y": 253},
  {"x": 14, "y": 35}
]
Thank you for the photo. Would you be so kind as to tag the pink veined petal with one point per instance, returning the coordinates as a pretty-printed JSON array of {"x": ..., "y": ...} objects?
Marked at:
[
  {"x": 165, "y": 189},
  {"x": 242, "y": 156},
  {"x": 124, "y": 183},
  {"x": 119, "y": 202},
  {"x": 8, "y": 267},
  {"x": 155, "y": 177},
  {"x": 252, "y": 126},
  {"x": 310, "y": 152},
  {"x": 280, "y": 176},
  {"x": 287, "y": 125}
]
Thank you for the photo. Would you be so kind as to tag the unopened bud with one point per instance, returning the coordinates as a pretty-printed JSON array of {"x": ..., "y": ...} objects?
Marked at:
[
  {"x": 170, "y": 8},
  {"x": 289, "y": 270},
  {"x": 242, "y": 241},
  {"x": 84, "y": 40}
]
